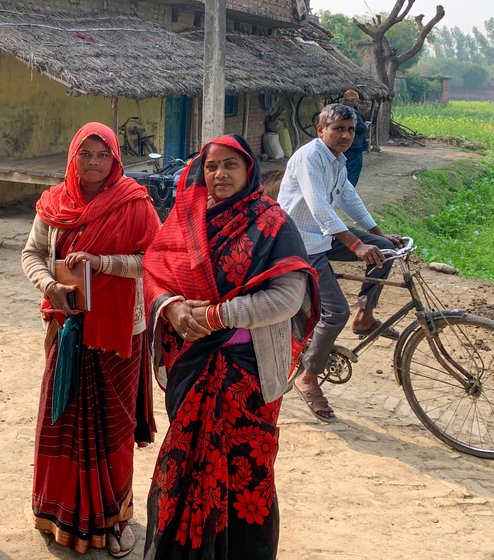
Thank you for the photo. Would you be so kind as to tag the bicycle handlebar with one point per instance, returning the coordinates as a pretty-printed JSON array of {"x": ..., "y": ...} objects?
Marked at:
[{"x": 401, "y": 252}]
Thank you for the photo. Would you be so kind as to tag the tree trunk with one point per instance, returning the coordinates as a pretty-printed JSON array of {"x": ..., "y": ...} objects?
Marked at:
[{"x": 383, "y": 122}]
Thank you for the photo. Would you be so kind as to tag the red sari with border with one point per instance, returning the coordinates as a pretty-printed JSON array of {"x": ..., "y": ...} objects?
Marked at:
[
  {"x": 84, "y": 461},
  {"x": 213, "y": 492}
]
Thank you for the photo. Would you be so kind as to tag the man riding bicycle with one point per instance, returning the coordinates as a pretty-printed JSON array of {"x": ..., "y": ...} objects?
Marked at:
[{"x": 315, "y": 182}]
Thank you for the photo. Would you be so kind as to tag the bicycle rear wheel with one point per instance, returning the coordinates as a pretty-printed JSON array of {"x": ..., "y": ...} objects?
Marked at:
[
  {"x": 461, "y": 415},
  {"x": 148, "y": 147}
]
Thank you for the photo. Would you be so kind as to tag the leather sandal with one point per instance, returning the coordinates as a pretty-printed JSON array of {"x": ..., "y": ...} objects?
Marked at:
[
  {"x": 390, "y": 332},
  {"x": 317, "y": 403}
]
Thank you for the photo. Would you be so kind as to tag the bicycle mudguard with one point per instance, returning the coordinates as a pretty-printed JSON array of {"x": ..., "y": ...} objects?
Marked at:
[{"x": 411, "y": 328}]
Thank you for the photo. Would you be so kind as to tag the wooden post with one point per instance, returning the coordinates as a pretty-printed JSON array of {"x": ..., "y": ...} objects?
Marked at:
[
  {"x": 114, "y": 108},
  {"x": 245, "y": 117},
  {"x": 213, "y": 99},
  {"x": 195, "y": 141}
]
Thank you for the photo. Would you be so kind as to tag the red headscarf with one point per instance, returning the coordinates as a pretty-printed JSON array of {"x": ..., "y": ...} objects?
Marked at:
[{"x": 119, "y": 220}]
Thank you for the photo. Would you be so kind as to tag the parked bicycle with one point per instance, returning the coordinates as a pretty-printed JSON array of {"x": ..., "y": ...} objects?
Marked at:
[
  {"x": 444, "y": 360},
  {"x": 143, "y": 144}
]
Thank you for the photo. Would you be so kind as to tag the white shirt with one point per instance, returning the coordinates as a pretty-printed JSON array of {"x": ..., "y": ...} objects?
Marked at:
[{"x": 315, "y": 182}]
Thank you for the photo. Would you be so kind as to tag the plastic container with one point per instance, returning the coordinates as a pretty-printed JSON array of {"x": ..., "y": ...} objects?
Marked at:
[
  {"x": 285, "y": 142},
  {"x": 271, "y": 145}
]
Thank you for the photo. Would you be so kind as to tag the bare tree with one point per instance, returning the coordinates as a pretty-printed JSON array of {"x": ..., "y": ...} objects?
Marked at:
[{"x": 387, "y": 59}]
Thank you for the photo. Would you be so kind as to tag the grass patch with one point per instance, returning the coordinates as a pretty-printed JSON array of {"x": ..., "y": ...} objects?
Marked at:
[
  {"x": 450, "y": 215},
  {"x": 462, "y": 122}
]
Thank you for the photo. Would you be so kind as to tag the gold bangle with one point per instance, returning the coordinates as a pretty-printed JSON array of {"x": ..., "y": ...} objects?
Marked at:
[{"x": 219, "y": 317}]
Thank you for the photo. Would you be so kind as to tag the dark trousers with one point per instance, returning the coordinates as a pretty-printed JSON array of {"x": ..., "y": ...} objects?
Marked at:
[
  {"x": 334, "y": 306},
  {"x": 354, "y": 165}
]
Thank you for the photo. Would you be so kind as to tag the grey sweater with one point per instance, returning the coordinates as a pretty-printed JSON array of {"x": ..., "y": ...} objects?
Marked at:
[{"x": 267, "y": 314}]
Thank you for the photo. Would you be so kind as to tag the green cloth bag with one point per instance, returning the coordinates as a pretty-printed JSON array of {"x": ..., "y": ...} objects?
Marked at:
[{"x": 68, "y": 366}]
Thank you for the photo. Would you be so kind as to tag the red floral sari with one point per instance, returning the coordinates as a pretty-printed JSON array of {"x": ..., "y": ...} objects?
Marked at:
[
  {"x": 213, "y": 493},
  {"x": 84, "y": 461}
]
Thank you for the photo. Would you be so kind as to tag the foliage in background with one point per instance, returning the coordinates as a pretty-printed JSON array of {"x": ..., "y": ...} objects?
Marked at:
[
  {"x": 463, "y": 74},
  {"x": 477, "y": 47},
  {"x": 351, "y": 41},
  {"x": 450, "y": 215},
  {"x": 417, "y": 88},
  {"x": 467, "y": 58},
  {"x": 346, "y": 36},
  {"x": 470, "y": 121}
]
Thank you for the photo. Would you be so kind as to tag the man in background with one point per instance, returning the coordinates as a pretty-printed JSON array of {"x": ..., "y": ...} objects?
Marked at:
[{"x": 354, "y": 155}]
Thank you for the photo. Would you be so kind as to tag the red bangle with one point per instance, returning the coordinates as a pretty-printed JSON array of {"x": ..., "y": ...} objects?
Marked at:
[
  {"x": 355, "y": 244},
  {"x": 208, "y": 311},
  {"x": 213, "y": 317}
]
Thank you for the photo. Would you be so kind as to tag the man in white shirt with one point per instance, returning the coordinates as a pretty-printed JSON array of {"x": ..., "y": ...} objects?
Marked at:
[{"x": 315, "y": 182}]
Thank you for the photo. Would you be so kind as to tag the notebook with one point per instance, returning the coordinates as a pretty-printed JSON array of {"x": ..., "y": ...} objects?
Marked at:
[{"x": 79, "y": 275}]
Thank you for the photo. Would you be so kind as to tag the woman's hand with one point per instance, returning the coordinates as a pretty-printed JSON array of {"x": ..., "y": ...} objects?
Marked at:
[
  {"x": 72, "y": 258},
  {"x": 180, "y": 314},
  {"x": 199, "y": 314},
  {"x": 57, "y": 294}
]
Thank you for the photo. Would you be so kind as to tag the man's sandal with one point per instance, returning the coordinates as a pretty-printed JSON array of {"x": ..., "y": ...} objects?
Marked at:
[
  {"x": 120, "y": 543},
  {"x": 390, "y": 332},
  {"x": 317, "y": 403}
]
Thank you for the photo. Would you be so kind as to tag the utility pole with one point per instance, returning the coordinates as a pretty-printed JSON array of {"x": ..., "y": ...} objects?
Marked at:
[{"x": 213, "y": 96}]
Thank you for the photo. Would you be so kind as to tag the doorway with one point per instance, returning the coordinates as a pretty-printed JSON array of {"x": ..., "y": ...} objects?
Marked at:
[{"x": 176, "y": 127}]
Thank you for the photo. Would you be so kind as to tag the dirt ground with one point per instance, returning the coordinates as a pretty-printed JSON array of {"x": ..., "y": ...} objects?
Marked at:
[{"x": 375, "y": 485}]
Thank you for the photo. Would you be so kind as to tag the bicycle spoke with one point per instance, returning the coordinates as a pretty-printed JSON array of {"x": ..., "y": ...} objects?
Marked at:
[{"x": 462, "y": 416}]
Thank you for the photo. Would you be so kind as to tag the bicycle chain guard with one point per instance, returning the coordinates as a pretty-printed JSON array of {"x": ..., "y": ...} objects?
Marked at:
[{"x": 338, "y": 369}]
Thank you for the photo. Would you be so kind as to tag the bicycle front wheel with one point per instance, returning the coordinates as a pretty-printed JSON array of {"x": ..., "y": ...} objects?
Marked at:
[{"x": 449, "y": 382}]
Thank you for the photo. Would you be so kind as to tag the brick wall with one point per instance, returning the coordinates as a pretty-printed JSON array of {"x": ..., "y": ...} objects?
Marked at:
[
  {"x": 281, "y": 10},
  {"x": 256, "y": 122},
  {"x": 161, "y": 12}
]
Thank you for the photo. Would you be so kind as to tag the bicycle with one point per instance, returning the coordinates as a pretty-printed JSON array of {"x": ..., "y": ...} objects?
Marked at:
[
  {"x": 144, "y": 142},
  {"x": 444, "y": 360}
]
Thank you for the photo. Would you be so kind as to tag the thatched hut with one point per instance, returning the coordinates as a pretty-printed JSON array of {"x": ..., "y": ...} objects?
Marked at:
[{"x": 59, "y": 71}]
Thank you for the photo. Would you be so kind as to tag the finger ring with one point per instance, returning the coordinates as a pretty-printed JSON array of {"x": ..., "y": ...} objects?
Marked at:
[{"x": 184, "y": 333}]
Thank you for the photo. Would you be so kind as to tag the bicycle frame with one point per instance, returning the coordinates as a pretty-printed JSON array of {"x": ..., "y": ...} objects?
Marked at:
[
  {"x": 424, "y": 319},
  {"x": 414, "y": 303}
]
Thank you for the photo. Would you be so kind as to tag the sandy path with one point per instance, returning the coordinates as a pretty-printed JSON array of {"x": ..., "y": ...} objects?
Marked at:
[{"x": 375, "y": 485}]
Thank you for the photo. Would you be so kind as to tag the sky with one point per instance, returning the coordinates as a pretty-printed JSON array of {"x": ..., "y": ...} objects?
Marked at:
[{"x": 464, "y": 14}]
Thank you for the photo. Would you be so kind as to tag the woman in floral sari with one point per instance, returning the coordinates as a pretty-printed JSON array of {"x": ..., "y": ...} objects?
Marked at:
[
  {"x": 84, "y": 455},
  {"x": 230, "y": 301}
]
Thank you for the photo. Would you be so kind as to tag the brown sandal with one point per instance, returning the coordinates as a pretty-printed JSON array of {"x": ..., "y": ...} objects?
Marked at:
[
  {"x": 390, "y": 332},
  {"x": 317, "y": 403}
]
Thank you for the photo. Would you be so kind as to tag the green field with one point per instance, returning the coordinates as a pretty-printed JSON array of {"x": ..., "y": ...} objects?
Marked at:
[
  {"x": 470, "y": 121},
  {"x": 451, "y": 213}
]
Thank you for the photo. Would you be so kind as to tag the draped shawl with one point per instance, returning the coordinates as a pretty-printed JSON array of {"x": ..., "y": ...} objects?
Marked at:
[
  {"x": 119, "y": 220},
  {"x": 230, "y": 249}
]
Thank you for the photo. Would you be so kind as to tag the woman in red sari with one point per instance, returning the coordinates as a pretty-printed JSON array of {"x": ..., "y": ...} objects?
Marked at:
[
  {"x": 230, "y": 301},
  {"x": 84, "y": 458}
]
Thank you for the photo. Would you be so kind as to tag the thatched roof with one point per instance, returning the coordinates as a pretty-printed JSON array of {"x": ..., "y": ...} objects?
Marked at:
[{"x": 127, "y": 56}]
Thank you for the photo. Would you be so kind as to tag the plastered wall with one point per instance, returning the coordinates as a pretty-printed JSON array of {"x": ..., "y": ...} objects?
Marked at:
[{"x": 38, "y": 118}]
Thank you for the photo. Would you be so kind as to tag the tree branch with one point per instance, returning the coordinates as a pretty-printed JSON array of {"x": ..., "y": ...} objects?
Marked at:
[{"x": 424, "y": 30}]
